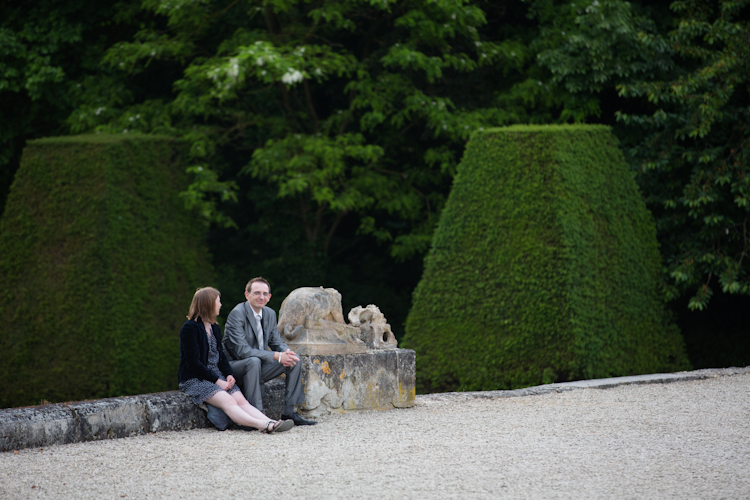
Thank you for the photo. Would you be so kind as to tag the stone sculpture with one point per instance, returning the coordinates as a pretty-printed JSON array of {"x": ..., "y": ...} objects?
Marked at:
[
  {"x": 376, "y": 332},
  {"x": 311, "y": 321},
  {"x": 353, "y": 366}
]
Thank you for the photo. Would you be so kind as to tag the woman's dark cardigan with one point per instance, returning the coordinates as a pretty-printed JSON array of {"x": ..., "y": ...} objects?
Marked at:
[{"x": 194, "y": 352}]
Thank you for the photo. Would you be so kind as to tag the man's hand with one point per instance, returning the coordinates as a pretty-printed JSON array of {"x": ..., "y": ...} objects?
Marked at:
[
  {"x": 231, "y": 381},
  {"x": 288, "y": 358}
]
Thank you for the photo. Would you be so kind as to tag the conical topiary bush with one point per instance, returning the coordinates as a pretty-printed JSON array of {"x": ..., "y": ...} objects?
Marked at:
[
  {"x": 544, "y": 267},
  {"x": 99, "y": 260}
]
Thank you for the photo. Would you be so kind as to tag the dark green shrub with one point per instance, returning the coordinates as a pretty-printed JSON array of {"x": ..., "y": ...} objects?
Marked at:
[
  {"x": 98, "y": 263},
  {"x": 544, "y": 268}
]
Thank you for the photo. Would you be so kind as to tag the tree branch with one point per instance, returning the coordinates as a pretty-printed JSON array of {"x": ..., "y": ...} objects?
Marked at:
[
  {"x": 310, "y": 105},
  {"x": 268, "y": 18},
  {"x": 303, "y": 208},
  {"x": 331, "y": 231},
  {"x": 348, "y": 116},
  {"x": 318, "y": 222},
  {"x": 287, "y": 106}
]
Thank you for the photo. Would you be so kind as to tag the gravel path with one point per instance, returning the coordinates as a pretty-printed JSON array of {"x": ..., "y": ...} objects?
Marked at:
[{"x": 679, "y": 440}]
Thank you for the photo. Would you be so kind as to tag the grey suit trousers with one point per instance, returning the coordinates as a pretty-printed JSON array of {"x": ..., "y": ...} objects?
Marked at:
[{"x": 252, "y": 373}]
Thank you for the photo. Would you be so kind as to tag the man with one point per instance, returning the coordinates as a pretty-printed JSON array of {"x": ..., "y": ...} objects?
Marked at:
[{"x": 256, "y": 352}]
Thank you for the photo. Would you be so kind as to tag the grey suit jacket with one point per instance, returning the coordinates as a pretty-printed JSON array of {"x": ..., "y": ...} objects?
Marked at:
[{"x": 241, "y": 339}]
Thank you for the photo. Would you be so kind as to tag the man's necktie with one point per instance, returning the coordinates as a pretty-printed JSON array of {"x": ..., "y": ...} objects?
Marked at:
[{"x": 259, "y": 328}]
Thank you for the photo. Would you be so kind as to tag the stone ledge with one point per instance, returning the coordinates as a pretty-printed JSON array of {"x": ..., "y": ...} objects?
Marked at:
[
  {"x": 79, "y": 421},
  {"x": 602, "y": 383},
  {"x": 62, "y": 423}
]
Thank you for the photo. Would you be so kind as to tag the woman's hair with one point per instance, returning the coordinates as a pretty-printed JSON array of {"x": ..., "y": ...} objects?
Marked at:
[{"x": 204, "y": 304}]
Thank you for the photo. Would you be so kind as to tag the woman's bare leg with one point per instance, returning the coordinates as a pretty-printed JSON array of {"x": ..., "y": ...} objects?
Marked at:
[
  {"x": 238, "y": 415},
  {"x": 247, "y": 407}
]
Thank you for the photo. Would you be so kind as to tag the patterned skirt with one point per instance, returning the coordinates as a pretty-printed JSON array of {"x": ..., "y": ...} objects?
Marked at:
[{"x": 201, "y": 390}]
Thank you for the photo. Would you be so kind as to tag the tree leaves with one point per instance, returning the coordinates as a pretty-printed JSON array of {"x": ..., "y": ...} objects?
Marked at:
[
  {"x": 701, "y": 131},
  {"x": 686, "y": 124},
  {"x": 350, "y": 107}
]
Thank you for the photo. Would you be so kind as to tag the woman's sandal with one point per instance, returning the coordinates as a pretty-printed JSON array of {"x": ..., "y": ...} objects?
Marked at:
[{"x": 281, "y": 426}]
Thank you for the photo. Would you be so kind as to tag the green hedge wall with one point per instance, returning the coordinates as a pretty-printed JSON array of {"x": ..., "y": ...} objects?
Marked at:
[
  {"x": 98, "y": 263},
  {"x": 544, "y": 267}
]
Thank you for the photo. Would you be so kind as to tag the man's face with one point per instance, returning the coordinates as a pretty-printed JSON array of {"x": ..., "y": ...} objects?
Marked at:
[{"x": 258, "y": 296}]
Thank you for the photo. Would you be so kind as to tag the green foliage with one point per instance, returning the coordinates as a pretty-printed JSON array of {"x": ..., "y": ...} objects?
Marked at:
[
  {"x": 323, "y": 137},
  {"x": 684, "y": 111},
  {"x": 47, "y": 49},
  {"x": 603, "y": 43},
  {"x": 99, "y": 263},
  {"x": 544, "y": 267},
  {"x": 694, "y": 161},
  {"x": 351, "y": 109}
]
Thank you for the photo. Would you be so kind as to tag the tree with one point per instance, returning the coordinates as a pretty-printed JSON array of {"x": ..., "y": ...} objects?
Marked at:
[
  {"x": 47, "y": 48},
  {"x": 688, "y": 143},
  {"x": 356, "y": 107},
  {"x": 693, "y": 162}
]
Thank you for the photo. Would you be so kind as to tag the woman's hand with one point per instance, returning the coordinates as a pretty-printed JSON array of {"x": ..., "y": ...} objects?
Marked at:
[
  {"x": 223, "y": 384},
  {"x": 231, "y": 381}
]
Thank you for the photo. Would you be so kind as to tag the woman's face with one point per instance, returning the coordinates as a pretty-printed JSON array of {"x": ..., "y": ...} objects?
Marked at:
[{"x": 218, "y": 305}]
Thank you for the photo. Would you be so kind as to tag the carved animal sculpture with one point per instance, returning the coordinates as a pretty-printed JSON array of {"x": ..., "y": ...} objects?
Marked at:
[
  {"x": 376, "y": 332},
  {"x": 311, "y": 308}
]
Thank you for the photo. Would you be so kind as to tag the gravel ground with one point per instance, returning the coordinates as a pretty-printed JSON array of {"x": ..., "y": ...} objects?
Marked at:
[{"x": 687, "y": 439}]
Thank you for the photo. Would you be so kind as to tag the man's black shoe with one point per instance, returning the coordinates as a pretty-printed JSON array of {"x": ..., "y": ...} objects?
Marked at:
[{"x": 297, "y": 419}]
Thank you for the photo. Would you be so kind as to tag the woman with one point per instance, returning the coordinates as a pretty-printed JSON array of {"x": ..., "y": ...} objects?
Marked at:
[{"x": 205, "y": 374}]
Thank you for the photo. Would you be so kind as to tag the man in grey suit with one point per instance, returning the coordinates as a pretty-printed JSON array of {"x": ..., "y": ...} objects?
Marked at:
[{"x": 256, "y": 352}]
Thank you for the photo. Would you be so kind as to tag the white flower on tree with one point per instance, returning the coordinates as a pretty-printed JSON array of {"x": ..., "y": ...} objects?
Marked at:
[{"x": 292, "y": 76}]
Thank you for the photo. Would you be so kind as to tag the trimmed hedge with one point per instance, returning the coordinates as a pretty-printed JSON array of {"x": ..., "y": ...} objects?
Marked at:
[
  {"x": 99, "y": 261},
  {"x": 544, "y": 267}
]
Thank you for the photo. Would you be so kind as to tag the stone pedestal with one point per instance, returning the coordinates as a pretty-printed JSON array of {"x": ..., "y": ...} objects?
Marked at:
[{"x": 373, "y": 380}]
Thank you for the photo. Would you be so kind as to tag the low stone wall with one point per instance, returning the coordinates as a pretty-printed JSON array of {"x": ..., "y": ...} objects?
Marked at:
[
  {"x": 98, "y": 419},
  {"x": 40, "y": 426},
  {"x": 375, "y": 380},
  {"x": 75, "y": 422}
]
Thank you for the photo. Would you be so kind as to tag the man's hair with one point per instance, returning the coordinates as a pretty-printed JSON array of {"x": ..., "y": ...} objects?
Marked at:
[
  {"x": 204, "y": 304},
  {"x": 249, "y": 285}
]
